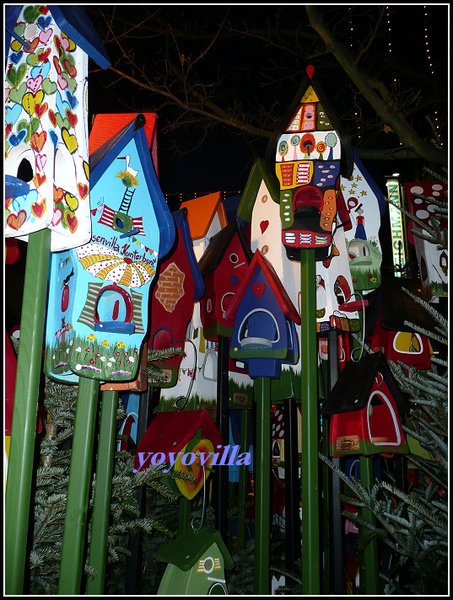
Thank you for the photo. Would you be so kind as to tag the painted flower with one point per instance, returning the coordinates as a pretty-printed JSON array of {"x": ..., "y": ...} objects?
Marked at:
[
  {"x": 117, "y": 353},
  {"x": 103, "y": 358},
  {"x": 91, "y": 361},
  {"x": 79, "y": 349},
  {"x": 109, "y": 364},
  {"x": 131, "y": 359},
  {"x": 135, "y": 350},
  {"x": 91, "y": 337},
  {"x": 97, "y": 355},
  {"x": 120, "y": 345},
  {"x": 105, "y": 343}
]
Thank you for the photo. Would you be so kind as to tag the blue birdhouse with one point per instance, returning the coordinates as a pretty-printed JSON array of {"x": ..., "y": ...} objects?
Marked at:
[{"x": 264, "y": 333}]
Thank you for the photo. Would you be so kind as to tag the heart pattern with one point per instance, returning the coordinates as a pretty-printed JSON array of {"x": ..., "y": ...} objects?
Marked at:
[
  {"x": 264, "y": 225},
  {"x": 69, "y": 140},
  {"x": 38, "y": 208},
  {"x": 258, "y": 289},
  {"x": 16, "y": 221}
]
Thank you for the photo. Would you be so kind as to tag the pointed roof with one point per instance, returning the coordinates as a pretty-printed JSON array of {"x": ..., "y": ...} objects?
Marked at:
[
  {"x": 218, "y": 245},
  {"x": 280, "y": 293},
  {"x": 73, "y": 21},
  {"x": 105, "y": 126},
  {"x": 201, "y": 212},
  {"x": 258, "y": 173},
  {"x": 353, "y": 388},
  {"x": 182, "y": 224}
]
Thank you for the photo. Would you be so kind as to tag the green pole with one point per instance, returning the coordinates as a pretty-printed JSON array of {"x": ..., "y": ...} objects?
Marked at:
[
  {"x": 243, "y": 481},
  {"x": 23, "y": 427},
  {"x": 309, "y": 427},
  {"x": 102, "y": 492},
  {"x": 72, "y": 552},
  {"x": 262, "y": 484},
  {"x": 369, "y": 566}
]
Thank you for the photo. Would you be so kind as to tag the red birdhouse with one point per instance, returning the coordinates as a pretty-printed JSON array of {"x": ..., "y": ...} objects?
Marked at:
[
  {"x": 179, "y": 285},
  {"x": 185, "y": 441},
  {"x": 223, "y": 266},
  {"x": 365, "y": 407}
]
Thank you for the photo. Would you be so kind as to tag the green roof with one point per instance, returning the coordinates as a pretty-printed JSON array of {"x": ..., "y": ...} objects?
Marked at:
[{"x": 258, "y": 173}]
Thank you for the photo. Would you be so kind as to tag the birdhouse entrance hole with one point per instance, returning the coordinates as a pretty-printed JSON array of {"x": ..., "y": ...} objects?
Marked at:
[
  {"x": 382, "y": 421},
  {"x": 258, "y": 321},
  {"x": 113, "y": 310},
  {"x": 307, "y": 202}
]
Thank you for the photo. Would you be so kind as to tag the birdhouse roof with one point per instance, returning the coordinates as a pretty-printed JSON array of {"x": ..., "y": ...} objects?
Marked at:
[
  {"x": 182, "y": 224},
  {"x": 354, "y": 385},
  {"x": 73, "y": 21},
  {"x": 172, "y": 431},
  {"x": 279, "y": 291},
  {"x": 186, "y": 549},
  {"x": 258, "y": 173},
  {"x": 218, "y": 246},
  {"x": 201, "y": 212},
  {"x": 105, "y": 126}
]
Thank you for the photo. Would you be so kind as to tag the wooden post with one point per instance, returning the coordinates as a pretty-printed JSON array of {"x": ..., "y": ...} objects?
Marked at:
[
  {"x": 102, "y": 493},
  {"x": 309, "y": 429},
  {"x": 292, "y": 487},
  {"x": 23, "y": 427},
  {"x": 79, "y": 485}
]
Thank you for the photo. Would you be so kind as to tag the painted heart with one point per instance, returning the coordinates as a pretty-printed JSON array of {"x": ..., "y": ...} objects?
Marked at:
[
  {"x": 234, "y": 279},
  {"x": 14, "y": 76},
  {"x": 258, "y": 289},
  {"x": 38, "y": 208},
  {"x": 43, "y": 10},
  {"x": 40, "y": 109},
  {"x": 16, "y": 221},
  {"x": 83, "y": 190},
  {"x": 62, "y": 81},
  {"x": 45, "y": 36},
  {"x": 29, "y": 101},
  {"x": 53, "y": 137},
  {"x": 58, "y": 46},
  {"x": 38, "y": 179},
  {"x": 71, "y": 221},
  {"x": 33, "y": 84},
  {"x": 71, "y": 99},
  {"x": 56, "y": 64},
  {"x": 62, "y": 122},
  {"x": 12, "y": 113},
  {"x": 31, "y": 13},
  {"x": 264, "y": 225},
  {"x": 41, "y": 161},
  {"x": 57, "y": 216},
  {"x": 32, "y": 45},
  {"x": 43, "y": 22},
  {"x": 16, "y": 94},
  {"x": 71, "y": 201},
  {"x": 43, "y": 56},
  {"x": 38, "y": 140},
  {"x": 53, "y": 118},
  {"x": 40, "y": 70},
  {"x": 15, "y": 140},
  {"x": 8, "y": 129},
  {"x": 68, "y": 44},
  {"x": 16, "y": 46},
  {"x": 69, "y": 140},
  {"x": 70, "y": 68},
  {"x": 16, "y": 56},
  {"x": 72, "y": 118},
  {"x": 62, "y": 105},
  {"x": 58, "y": 194}
]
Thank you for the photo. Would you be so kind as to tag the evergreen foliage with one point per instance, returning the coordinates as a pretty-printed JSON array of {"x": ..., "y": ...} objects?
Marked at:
[{"x": 414, "y": 523}]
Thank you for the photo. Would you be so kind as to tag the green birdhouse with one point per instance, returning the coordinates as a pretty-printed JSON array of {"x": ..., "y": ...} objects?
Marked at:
[{"x": 196, "y": 564}]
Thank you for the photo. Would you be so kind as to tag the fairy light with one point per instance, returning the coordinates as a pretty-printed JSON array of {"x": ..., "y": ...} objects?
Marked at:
[
  {"x": 389, "y": 29},
  {"x": 428, "y": 54},
  {"x": 351, "y": 32}
]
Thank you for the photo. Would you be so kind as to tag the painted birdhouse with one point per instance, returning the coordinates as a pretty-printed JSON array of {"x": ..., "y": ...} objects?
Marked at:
[
  {"x": 264, "y": 334},
  {"x": 365, "y": 408},
  {"x": 99, "y": 292},
  {"x": 46, "y": 112},
  {"x": 361, "y": 205},
  {"x": 309, "y": 155},
  {"x": 196, "y": 564},
  {"x": 432, "y": 261},
  {"x": 179, "y": 285},
  {"x": 207, "y": 216},
  {"x": 185, "y": 441},
  {"x": 223, "y": 267}
]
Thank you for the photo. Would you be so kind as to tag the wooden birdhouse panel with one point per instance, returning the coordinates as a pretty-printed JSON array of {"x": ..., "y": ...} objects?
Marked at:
[
  {"x": 108, "y": 280},
  {"x": 46, "y": 131}
]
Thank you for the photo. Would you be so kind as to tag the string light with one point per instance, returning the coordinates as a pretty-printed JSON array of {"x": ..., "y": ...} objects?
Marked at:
[
  {"x": 428, "y": 54},
  {"x": 351, "y": 31},
  {"x": 389, "y": 28}
]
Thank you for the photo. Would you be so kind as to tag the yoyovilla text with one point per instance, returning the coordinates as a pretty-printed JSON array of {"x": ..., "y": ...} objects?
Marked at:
[{"x": 202, "y": 458}]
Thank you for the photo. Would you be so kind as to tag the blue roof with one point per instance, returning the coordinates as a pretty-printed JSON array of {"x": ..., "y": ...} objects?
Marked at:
[{"x": 73, "y": 21}]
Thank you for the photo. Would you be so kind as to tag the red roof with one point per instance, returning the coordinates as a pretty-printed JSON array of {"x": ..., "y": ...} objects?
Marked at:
[{"x": 105, "y": 126}]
